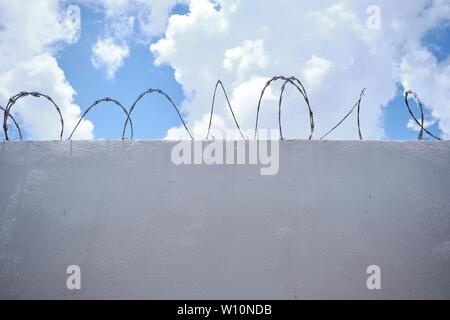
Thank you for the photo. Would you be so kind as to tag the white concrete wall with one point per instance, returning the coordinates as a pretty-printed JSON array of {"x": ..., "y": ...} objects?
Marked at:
[{"x": 140, "y": 227}]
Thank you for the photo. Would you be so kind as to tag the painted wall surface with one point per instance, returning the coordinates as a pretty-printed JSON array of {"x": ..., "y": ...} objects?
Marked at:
[{"x": 140, "y": 226}]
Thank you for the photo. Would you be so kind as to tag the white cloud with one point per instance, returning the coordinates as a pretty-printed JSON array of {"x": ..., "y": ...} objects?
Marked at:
[
  {"x": 315, "y": 69},
  {"x": 154, "y": 21},
  {"x": 327, "y": 45},
  {"x": 249, "y": 54},
  {"x": 126, "y": 21},
  {"x": 29, "y": 28},
  {"x": 109, "y": 56},
  {"x": 413, "y": 125},
  {"x": 152, "y": 15},
  {"x": 40, "y": 119},
  {"x": 31, "y": 33},
  {"x": 200, "y": 126},
  {"x": 421, "y": 72}
]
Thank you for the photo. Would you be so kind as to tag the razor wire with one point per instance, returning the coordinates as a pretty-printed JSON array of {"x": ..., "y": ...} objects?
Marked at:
[
  {"x": 160, "y": 92},
  {"x": 421, "y": 124},
  {"x": 97, "y": 102},
  {"x": 357, "y": 104},
  {"x": 12, "y": 101},
  {"x": 299, "y": 86},
  {"x": 219, "y": 82},
  {"x": 287, "y": 80},
  {"x": 14, "y": 121}
]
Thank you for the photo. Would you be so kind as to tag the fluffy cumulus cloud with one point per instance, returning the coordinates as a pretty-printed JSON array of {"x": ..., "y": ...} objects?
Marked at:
[
  {"x": 431, "y": 80},
  {"x": 335, "y": 48},
  {"x": 109, "y": 56},
  {"x": 31, "y": 32},
  {"x": 151, "y": 15},
  {"x": 126, "y": 21},
  {"x": 250, "y": 53}
]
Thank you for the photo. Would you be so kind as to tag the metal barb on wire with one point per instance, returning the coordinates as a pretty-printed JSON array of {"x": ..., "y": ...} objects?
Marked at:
[
  {"x": 291, "y": 80},
  {"x": 357, "y": 104},
  {"x": 421, "y": 124},
  {"x": 150, "y": 91},
  {"x": 107, "y": 99},
  {"x": 14, "y": 121},
  {"x": 305, "y": 96},
  {"x": 219, "y": 82},
  {"x": 12, "y": 101},
  {"x": 299, "y": 86}
]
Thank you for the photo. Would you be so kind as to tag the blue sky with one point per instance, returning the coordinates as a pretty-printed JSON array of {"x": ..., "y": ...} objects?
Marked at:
[
  {"x": 155, "y": 116},
  {"x": 243, "y": 54},
  {"x": 152, "y": 117},
  {"x": 438, "y": 42}
]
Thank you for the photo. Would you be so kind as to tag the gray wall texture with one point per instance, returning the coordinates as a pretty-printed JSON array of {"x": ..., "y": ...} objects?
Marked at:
[{"x": 139, "y": 226}]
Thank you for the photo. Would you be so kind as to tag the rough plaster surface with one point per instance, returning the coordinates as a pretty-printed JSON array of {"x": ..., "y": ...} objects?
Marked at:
[{"x": 140, "y": 227}]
